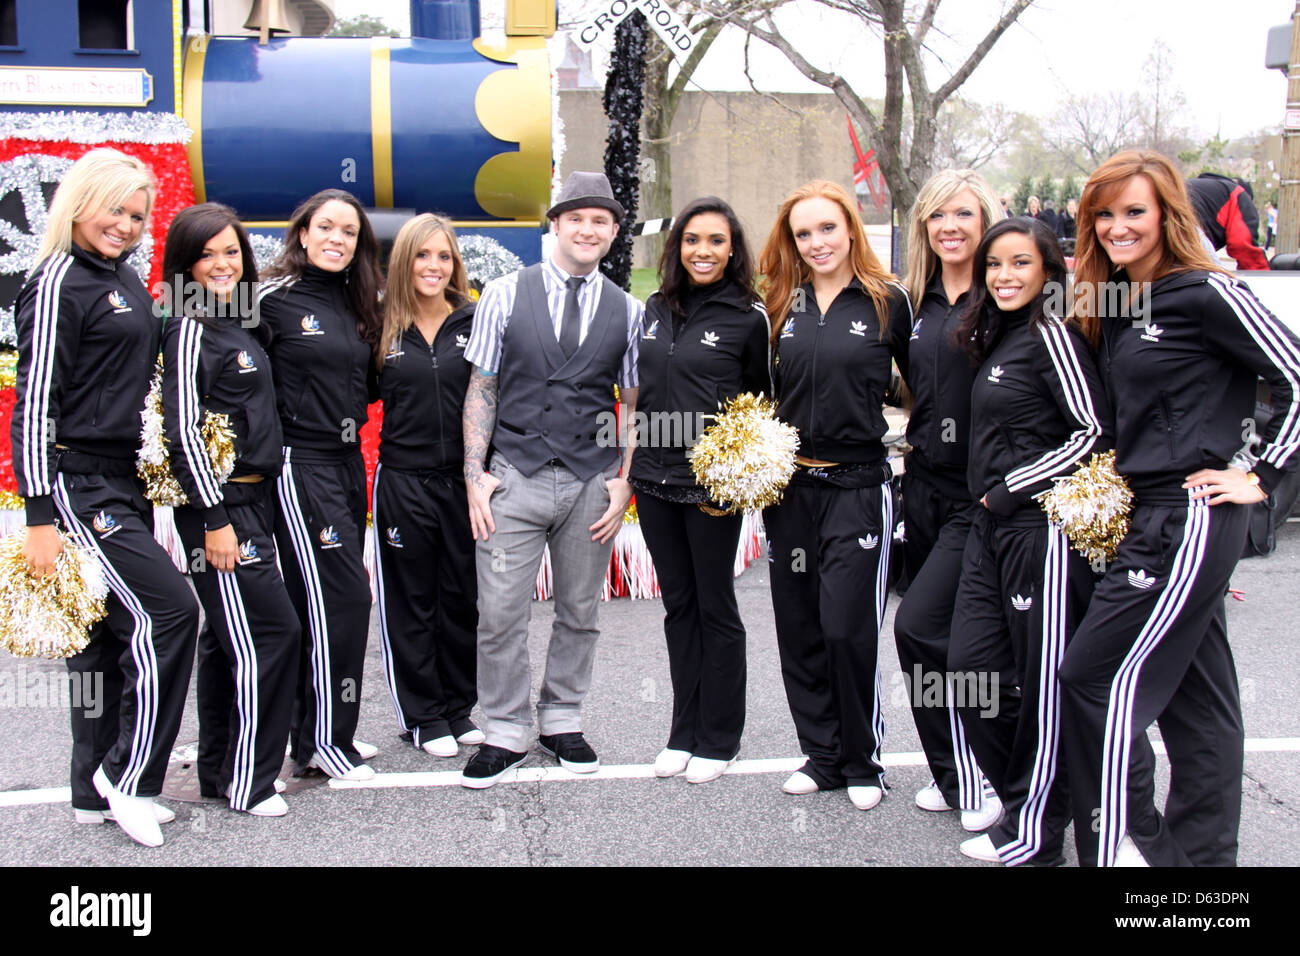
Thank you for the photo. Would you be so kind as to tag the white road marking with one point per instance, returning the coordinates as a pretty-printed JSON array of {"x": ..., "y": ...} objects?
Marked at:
[{"x": 551, "y": 774}]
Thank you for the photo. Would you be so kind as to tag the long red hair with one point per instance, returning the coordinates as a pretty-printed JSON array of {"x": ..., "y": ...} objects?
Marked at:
[
  {"x": 1180, "y": 231},
  {"x": 783, "y": 270}
]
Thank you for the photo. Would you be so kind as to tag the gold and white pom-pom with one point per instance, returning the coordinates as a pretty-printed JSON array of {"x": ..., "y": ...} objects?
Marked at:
[
  {"x": 746, "y": 457},
  {"x": 1092, "y": 507},
  {"x": 153, "y": 462},
  {"x": 49, "y": 617}
]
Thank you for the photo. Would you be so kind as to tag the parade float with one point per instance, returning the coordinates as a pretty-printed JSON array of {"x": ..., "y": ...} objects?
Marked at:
[{"x": 441, "y": 121}]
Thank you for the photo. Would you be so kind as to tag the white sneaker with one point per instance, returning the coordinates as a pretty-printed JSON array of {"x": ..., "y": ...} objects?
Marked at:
[
  {"x": 931, "y": 798},
  {"x": 358, "y": 773},
  {"x": 799, "y": 783},
  {"x": 441, "y": 746},
  {"x": 472, "y": 738},
  {"x": 1128, "y": 854},
  {"x": 161, "y": 813},
  {"x": 135, "y": 815},
  {"x": 864, "y": 798},
  {"x": 364, "y": 750},
  {"x": 272, "y": 806},
  {"x": 983, "y": 818},
  {"x": 981, "y": 848},
  {"x": 670, "y": 762},
  {"x": 704, "y": 769},
  {"x": 279, "y": 786}
]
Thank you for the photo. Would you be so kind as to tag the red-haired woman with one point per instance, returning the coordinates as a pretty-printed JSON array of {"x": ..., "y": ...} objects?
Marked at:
[
  {"x": 1180, "y": 358},
  {"x": 831, "y": 305}
]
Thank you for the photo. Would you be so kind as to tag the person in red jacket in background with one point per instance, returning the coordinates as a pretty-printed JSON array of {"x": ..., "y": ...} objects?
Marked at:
[{"x": 1228, "y": 217}]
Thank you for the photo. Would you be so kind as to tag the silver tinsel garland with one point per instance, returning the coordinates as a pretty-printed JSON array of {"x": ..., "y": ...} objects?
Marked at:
[
  {"x": 26, "y": 174},
  {"x": 84, "y": 127},
  {"x": 486, "y": 259}
]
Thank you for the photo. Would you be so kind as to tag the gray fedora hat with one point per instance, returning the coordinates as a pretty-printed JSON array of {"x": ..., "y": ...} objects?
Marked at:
[{"x": 582, "y": 190}]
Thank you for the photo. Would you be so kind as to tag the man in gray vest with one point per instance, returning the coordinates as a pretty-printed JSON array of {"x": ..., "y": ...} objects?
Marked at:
[{"x": 548, "y": 344}]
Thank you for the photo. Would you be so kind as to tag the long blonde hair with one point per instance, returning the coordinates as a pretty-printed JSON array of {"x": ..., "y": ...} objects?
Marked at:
[
  {"x": 102, "y": 179},
  {"x": 1180, "y": 232},
  {"x": 922, "y": 263},
  {"x": 783, "y": 269},
  {"x": 400, "y": 306}
]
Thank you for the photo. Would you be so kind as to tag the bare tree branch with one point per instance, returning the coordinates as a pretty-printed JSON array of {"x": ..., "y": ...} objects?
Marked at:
[{"x": 966, "y": 69}]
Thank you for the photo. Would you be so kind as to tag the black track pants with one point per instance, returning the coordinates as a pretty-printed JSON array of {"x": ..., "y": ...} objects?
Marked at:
[
  {"x": 256, "y": 628},
  {"x": 829, "y": 548},
  {"x": 320, "y": 533},
  {"x": 143, "y": 649},
  {"x": 428, "y": 600},
  {"x": 1022, "y": 592},
  {"x": 936, "y": 530},
  {"x": 1154, "y": 646},
  {"x": 694, "y": 556}
]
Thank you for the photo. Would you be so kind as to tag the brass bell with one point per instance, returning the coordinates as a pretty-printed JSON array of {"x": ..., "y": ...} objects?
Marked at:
[{"x": 267, "y": 17}]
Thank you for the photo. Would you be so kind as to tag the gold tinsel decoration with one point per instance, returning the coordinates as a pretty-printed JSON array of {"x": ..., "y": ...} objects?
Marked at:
[
  {"x": 1092, "y": 507},
  {"x": 745, "y": 458},
  {"x": 8, "y": 369},
  {"x": 12, "y": 501},
  {"x": 153, "y": 462},
  {"x": 51, "y": 616}
]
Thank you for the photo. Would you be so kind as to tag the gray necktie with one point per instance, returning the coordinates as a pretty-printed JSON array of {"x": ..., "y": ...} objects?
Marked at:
[{"x": 571, "y": 321}]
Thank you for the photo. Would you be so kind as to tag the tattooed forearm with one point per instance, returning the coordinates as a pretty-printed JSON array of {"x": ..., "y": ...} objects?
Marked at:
[{"x": 478, "y": 421}]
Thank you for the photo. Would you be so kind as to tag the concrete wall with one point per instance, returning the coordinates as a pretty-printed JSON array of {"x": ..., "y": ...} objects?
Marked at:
[{"x": 745, "y": 147}]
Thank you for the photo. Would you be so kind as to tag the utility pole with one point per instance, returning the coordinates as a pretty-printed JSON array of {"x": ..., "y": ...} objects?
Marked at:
[{"x": 1288, "y": 213}]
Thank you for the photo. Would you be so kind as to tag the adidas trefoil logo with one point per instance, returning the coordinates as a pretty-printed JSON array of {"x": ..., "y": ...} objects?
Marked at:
[
  {"x": 1153, "y": 332},
  {"x": 869, "y": 542},
  {"x": 858, "y": 328},
  {"x": 995, "y": 375},
  {"x": 1140, "y": 579},
  {"x": 710, "y": 339},
  {"x": 1021, "y": 603},
  {"x": 462, "y": 340}
]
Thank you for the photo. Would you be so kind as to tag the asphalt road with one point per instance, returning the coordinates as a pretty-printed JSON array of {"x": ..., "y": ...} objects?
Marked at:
[{"x": 625, "y": 816}]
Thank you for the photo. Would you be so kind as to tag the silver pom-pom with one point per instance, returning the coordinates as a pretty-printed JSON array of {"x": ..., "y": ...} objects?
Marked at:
[
  {"x": 86, "y": 127},
  {"x": 486, "y": 259},
  {"x": 266, "y": 249}
]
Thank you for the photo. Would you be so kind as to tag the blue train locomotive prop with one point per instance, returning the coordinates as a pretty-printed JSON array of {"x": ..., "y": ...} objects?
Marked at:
[{"x": 438, "y": 122}]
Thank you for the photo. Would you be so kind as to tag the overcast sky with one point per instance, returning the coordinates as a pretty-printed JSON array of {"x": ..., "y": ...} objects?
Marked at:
[{"x": 1057, "y": 47}]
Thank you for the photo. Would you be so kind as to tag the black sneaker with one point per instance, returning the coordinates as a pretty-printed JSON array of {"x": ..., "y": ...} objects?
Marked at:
[
  {"x": 486, "y": 767},
  {"x": 571, "y": 750}
]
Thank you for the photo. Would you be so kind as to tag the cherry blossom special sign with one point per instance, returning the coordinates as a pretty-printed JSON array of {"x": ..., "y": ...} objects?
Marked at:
[{"x": 74, "y": 86}]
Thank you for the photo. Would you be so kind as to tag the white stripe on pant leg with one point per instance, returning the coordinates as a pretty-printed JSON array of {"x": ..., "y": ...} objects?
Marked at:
[
  {"x": 1113, "y": 818},
  {"x": 385, "y": 643},
  {"x": 970, "y": 781},
  {"x": 1055, "y": 594},
  {"x": 146, "y": 663},
  {"x": 316, "y": 618},
  {"x": 241, "y": 639},
  {"x": 882, "y": 598}
]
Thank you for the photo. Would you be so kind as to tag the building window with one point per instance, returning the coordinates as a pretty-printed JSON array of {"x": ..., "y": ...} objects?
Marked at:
[
  {"x": 105, "y": 24},
  {"x": 8, "y": 22}
]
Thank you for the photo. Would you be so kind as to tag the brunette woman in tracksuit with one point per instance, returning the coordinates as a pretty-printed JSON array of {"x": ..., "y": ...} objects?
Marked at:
[
  {"x": 1038, "y": 411},
  {"x": 213, "y": 361},
  {"x": 1180, "y": 364},
  {"x": 704, "y": 341},
  {"x": 87, "y": 343},
  {"x": 320, "y": 307},
  {"x": 831, "y": 305},
  {"x": 950, "y": 215},
  {"x": 428, "y": 591}
]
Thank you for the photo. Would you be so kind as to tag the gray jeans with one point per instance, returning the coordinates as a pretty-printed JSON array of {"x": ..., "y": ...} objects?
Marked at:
[{"x": 554, "y": 506}]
